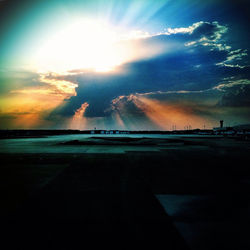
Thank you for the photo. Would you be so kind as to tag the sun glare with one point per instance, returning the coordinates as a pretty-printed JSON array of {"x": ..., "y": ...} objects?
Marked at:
[
  {"x": 90, "y": 45},
  {"x": 84, "y": 44}
]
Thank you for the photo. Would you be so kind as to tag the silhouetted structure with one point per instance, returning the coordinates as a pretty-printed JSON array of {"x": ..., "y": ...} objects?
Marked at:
[{"x": 221, "y": 123}]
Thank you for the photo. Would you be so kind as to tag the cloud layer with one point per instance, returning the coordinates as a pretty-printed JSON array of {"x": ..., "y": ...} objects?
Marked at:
[
  {"x": 192, "y": 64},
  {"x": 184, "y": 76}
]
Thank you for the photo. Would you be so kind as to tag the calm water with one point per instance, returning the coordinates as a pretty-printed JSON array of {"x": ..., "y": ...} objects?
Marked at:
[{"x": 49, "y": 144}]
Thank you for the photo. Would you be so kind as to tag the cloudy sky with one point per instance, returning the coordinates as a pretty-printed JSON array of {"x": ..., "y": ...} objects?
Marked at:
[{"x": 124, "y": 64}]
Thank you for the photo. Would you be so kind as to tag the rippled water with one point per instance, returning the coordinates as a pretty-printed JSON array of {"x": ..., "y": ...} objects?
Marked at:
[{"x": 49, "y": 144}]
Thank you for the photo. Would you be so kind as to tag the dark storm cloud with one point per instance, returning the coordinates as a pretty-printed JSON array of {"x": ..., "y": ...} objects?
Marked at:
[
  {"x": 193, "y": 58},
  {"x": 235, "y": 94}
]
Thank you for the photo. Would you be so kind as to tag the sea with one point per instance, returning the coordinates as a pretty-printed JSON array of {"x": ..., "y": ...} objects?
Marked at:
[{"x": 54, "y": 144}]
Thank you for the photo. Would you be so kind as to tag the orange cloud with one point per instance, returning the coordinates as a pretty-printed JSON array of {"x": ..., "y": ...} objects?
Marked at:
[
  {"x": 52, "y": 86},
  {"x": 60, "y": 86},
  {"x": 79, "y": 121},
  {"x": 165, "y": 115},
  {"x": 118, "y": 120},
  {"x": 27, "y": 111},
  {"x": 26, "y": 107}
]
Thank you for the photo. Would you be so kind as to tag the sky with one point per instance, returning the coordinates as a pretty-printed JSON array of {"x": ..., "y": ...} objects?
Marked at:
[{"x": 124, "y": 64}]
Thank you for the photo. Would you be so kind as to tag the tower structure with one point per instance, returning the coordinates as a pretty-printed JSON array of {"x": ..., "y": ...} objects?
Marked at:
[{"x": 221, "y": 123}]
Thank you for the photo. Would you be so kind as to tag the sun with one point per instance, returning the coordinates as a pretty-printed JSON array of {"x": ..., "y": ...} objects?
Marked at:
[{"x": 83, "y": 44}]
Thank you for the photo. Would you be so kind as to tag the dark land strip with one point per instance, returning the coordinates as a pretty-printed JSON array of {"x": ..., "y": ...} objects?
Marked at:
[
  {"x": 101, "y": 204},
  {"x": 108, "y": 200}
]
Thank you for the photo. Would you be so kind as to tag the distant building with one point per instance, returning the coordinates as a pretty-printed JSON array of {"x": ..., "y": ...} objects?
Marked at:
[
  {"x": 221, "y": 123},
  {"x": 124, "y": 132},
  {"x": 224, "y": 130}
]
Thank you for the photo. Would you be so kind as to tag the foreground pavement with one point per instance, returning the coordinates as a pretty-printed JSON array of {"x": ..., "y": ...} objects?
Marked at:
[{"x": 190, "y": 196}]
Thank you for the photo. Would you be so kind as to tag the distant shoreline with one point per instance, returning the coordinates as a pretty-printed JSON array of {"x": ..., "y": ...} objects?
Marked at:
[
  {"x": 26, "y": 133},
  {"x": 39, "y": 133}
]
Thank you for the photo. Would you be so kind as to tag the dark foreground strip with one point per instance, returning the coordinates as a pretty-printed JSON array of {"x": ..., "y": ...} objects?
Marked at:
[{"x": 98, "y": 206}]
